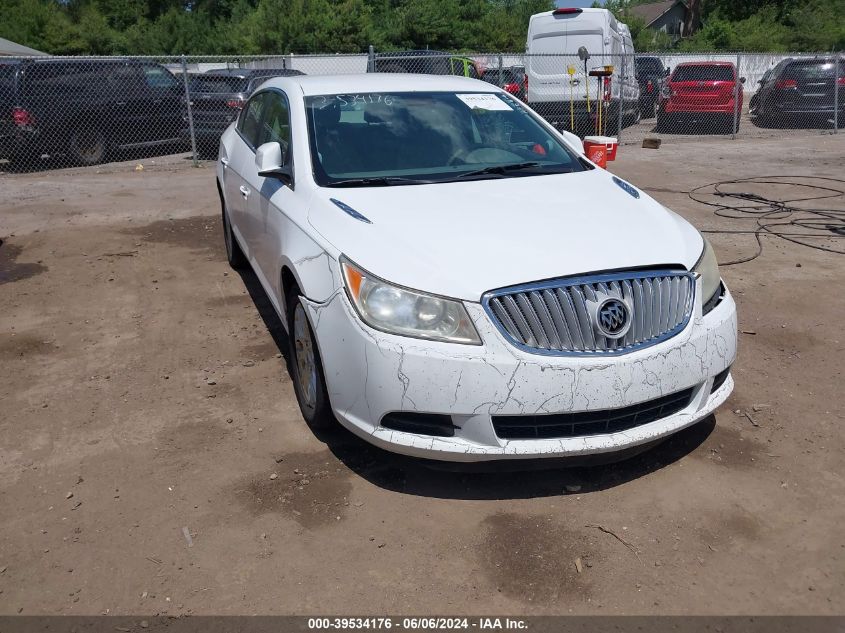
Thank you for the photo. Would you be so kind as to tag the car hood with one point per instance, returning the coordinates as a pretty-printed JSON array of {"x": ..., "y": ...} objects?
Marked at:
[{"x": 462, "y": 239}]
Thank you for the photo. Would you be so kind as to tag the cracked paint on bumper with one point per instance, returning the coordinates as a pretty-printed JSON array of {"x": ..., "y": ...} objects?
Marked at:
[{"x": 370, "y": 373}]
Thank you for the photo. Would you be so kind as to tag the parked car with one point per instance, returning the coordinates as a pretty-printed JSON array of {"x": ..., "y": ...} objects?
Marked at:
[
  {"x": 379, "y": 214},
  {"x": 703, "y": 94},
  {"x": 86, "y": 108},
  {"x": 217, "y": 98},
  {"x": 554, "y": 39},
  {"x": 651, "y": 75},
  {"x": 511, "y": 80},
  {"x": 424, "y": 63},
  {"x": 799, "y": 92}
]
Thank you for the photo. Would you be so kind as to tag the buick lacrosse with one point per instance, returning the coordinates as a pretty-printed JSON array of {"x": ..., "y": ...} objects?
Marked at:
[{"x": 459, "y": 282}]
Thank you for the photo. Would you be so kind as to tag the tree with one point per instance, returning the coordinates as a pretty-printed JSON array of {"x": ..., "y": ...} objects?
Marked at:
[{"x": 328, "y": 26}]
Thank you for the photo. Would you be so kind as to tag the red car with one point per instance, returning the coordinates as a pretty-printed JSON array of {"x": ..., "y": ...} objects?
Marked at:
[{"x": 701, "y": 92}]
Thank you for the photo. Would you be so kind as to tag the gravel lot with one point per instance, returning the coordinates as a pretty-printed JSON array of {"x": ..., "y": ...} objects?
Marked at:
[{"x": 144, "y": 403}]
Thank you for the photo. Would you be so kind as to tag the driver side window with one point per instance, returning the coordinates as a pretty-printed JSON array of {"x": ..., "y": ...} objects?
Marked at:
[
  {"x": 275, "y": 124},
  {"x": 249, "y": 124}
]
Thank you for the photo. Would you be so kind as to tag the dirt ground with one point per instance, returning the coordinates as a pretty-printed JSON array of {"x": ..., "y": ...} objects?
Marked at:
[{"x": 144, "y": 403}]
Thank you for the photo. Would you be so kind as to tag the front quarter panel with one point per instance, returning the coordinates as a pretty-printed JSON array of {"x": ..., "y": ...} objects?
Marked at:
[{"x": 310, "y": 258}]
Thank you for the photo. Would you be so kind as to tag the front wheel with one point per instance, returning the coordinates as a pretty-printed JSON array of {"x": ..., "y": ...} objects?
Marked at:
[{"x": 306, "y": 366}]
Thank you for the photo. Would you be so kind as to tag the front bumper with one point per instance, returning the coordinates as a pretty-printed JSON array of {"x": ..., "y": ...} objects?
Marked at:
[{"x": 370, "y": 374}]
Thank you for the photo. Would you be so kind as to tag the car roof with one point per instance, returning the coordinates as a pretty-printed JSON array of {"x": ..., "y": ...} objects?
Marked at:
[
  {"x": 379, "y": 82},
  {"x": 813, "y": 60},
  {"x": 247, "y": 73}
]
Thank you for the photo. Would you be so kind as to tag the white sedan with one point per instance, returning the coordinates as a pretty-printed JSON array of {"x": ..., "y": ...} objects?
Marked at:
[{"x": 459, "y": 282}]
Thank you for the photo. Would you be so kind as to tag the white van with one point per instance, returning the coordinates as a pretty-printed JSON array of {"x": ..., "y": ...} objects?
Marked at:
[{"x": 554, "y": 38}]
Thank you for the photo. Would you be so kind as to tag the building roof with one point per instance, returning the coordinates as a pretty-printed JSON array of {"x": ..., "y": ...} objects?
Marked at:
[
  {"x": 653, "y": 10},
  {"x": 12, "y": 49}
]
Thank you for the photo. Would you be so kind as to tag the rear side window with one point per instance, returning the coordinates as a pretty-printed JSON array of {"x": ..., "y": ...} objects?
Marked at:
[
  {"x": 218, "y": 85},
  {"x": 808, "y": 71},
  {"x": 249, "y": 124},
  {"x": 123, "y": 77},
  {"x": 57, "y": 79},
  {"x": 158, "y": 77},
  {"x": 703, "y": 72}
]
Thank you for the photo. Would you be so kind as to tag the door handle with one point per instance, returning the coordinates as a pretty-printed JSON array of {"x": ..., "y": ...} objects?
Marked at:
[
  {"x": 244, "y": 191},
  {"x": 224, "y": 161}
]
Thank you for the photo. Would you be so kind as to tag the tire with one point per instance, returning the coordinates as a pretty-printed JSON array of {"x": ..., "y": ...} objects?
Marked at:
[
  {"x": 764, "y": 120},
  {"x": 660, "y": 124},
  {"x": 234, "y": 255},
  {"x": 87, "y": 145},
  {"x": 306, "y": 366},
  {"x": 648, "y": 111}
]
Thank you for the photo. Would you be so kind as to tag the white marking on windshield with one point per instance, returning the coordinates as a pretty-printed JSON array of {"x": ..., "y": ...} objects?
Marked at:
[{"x": 483, "y": 101}]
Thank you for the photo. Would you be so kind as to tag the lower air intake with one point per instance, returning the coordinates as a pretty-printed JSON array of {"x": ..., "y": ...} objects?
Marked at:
[{"x": 586, "y": 423}]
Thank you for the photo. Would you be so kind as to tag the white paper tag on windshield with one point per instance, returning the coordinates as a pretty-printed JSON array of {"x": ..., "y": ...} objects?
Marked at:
[{"x": 484, "y": 101}]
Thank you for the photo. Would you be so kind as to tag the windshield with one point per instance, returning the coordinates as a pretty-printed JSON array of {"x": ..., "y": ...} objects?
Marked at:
[{"x": 420, "y": 137}]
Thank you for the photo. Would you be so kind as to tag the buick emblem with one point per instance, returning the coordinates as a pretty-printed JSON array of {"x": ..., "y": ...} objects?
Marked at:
[{"x": 613, "y": 318}]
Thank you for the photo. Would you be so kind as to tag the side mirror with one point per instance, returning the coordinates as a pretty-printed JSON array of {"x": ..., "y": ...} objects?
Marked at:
[
  {"x": 573, "y": 140},
  {"x": 272, "y": 162}
]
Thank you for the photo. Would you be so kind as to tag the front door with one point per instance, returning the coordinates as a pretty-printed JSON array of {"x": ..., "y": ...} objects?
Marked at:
[
  {"x": 237, "y": 169},
  {"x": 270, "y": 197}
]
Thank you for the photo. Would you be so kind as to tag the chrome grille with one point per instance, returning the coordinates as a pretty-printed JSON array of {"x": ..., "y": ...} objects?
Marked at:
[{"x": 559, "y": 316}]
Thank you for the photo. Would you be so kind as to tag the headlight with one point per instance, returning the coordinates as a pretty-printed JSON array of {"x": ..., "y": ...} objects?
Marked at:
[
  {"x": 708, "y": 268},
  {"x": 406, "y": 312}
]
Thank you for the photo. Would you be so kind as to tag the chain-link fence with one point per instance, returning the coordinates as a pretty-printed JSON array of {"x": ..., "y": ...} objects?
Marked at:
[{"x": 62, "y": 110}]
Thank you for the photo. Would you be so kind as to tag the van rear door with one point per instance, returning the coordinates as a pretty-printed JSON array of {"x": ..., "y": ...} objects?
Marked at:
[{"x": 553, "y": 42}]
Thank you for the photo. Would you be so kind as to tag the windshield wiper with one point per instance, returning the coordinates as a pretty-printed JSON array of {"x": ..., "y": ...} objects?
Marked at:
[
  {"x": 499, "y": 170},
  {"x": 377, "y": 181}
]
